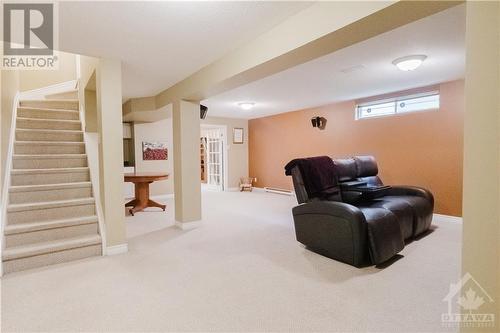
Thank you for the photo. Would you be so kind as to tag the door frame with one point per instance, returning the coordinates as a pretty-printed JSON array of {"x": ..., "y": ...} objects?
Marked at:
[{"x": 225, "y": 153}]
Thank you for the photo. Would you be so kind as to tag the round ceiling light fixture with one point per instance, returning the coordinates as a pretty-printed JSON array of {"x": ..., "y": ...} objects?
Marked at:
[
  {"x": 246, "y": 105},
  {"x": 409, "y": 63}
]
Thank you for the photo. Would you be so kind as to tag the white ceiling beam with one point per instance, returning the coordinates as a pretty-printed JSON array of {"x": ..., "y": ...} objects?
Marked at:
[{"x": 318, "y": 30}]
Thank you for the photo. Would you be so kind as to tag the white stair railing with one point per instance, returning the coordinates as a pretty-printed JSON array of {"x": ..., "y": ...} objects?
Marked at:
[{"x": 6, "y": 180}]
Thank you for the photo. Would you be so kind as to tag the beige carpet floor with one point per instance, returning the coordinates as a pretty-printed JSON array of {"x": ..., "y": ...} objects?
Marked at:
[{"x": 241, "y": 271}]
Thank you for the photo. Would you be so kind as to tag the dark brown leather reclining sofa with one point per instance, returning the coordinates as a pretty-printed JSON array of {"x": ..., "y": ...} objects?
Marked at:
[{"x": 346, "y": 213}]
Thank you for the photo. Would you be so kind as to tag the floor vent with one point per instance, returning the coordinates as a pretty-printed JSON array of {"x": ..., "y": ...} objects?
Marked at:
[{"x": 278, "y": 190}]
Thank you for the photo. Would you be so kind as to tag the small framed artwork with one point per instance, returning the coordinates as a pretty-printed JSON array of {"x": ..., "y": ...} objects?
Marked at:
[
  {"x": 154, "y": 151},
  {"x": 237, "y": 135}
]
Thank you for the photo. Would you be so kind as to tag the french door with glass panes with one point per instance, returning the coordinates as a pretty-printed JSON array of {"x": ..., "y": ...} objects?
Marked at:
[{"x": 214, "y": 153}]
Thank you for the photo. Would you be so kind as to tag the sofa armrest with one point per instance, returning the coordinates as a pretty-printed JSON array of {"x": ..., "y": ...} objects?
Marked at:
[
  {"x": 334, "y": 229},
  {"x": 333, "y": 208},
  {"x": 411, "y": 190}
]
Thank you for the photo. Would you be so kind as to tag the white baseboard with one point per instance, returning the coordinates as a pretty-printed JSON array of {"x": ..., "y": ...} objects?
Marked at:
[
  {"x": 455, "y": 219},
  {"x": 116, "y": 249},
  {"x": 187, "y": 225}
]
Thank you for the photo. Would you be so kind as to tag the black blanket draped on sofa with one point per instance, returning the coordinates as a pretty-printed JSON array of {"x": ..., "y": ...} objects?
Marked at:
[{"x": 319, "y": 177}]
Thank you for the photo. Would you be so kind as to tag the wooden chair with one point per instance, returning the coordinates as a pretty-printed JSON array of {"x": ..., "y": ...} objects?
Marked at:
[{"x": 246, "y": 184}]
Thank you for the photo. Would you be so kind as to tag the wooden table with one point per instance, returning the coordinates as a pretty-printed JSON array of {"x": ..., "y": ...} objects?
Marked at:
[{"x": 141, "y": 181}]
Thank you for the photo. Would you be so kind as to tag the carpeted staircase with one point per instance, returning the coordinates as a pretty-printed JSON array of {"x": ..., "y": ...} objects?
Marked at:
[{"x": 51, "y": 215}]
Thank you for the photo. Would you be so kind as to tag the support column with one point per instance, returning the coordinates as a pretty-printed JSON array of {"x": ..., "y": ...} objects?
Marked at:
[
  {"x": 109, "y": 124},
  {"x": 187, "y": 183},
  {"x": 481, "y": 199}
]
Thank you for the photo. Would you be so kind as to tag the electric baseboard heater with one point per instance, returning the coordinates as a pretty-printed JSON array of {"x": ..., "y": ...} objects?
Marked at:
[{"x": 278, "y": 190}]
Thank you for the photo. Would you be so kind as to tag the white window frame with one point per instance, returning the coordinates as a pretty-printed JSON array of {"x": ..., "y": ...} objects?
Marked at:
[{"x": 396, "y": 101}]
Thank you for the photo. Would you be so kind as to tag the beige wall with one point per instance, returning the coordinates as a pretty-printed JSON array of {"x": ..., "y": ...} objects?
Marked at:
[
  {"x": 87, "y": 92},
  {"x": 157, "y": 131},
  {"x": 100, "y": 95},
  {"x": 481, "y": 226},
  {"x": 35, "y": 79},
  {"x": 237, "y": 154},
  {"x": 420, "y": 148},
  {"x": 1, "y": 139},
  {"x": 90, "y": 104},
  {"x": 87, "y": 70},
  {"x": 109, "y": 121},
  {"x": 187, "y": 185}
]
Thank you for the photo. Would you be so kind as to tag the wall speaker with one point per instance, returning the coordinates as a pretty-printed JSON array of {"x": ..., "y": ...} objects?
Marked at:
[
  {"x": 318, "y": 122},
  {"x": 203, "y": 111}
]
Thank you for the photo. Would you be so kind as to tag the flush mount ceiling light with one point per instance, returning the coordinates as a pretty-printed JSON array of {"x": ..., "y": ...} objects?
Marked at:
[
  {"x": 246, "y": 105},
  {"x": 409, "y": 63}
]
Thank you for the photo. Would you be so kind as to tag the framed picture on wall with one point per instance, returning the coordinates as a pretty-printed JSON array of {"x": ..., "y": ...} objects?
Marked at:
[
  {"x": 237, "y": 135},
  {"x": 154, "y": 151}
]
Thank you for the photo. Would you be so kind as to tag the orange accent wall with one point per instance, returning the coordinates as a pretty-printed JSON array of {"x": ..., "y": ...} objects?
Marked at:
[{"x": 421, "y": 148}]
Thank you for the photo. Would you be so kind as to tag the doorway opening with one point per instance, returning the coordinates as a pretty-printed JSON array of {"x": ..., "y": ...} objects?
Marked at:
[{"x": 213, "y": 157}]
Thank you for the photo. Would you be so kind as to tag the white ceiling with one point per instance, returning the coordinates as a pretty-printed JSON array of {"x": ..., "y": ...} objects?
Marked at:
[
  {"x": 161, "y": 43},
  {"x": 362, "y": 70}
]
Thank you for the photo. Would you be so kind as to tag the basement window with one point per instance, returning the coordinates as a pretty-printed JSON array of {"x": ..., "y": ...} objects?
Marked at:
[{"x": 398, "y": 105}]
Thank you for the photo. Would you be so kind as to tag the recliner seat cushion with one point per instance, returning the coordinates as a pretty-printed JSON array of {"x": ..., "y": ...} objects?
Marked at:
[
  {"x": 384, "y": 234},
  {"x": 422, "y": 211},
  {"x": 421, "y": 207},
  {"x": 401, "y": 209}
]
